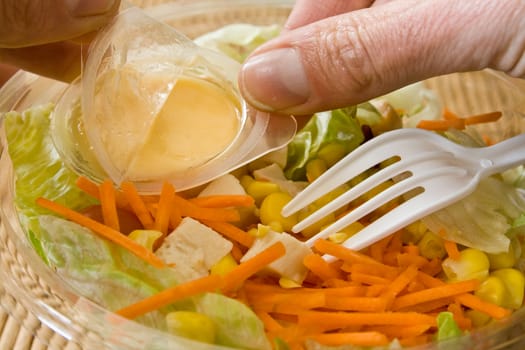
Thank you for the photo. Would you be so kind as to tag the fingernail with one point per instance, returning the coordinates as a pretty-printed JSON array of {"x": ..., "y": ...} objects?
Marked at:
[
  {"x": 275, "y": 80},
  {"x": 82, "y": 8}
]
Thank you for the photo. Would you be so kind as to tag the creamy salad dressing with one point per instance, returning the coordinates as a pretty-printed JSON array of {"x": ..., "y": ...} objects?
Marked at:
[{"x": 188, "y": 121}]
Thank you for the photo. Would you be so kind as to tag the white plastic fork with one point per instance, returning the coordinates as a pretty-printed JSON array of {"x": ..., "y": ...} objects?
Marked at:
[{"x": 445, "y": 172}]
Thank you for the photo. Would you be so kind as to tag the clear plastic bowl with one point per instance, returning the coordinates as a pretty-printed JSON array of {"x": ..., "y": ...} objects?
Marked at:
[{"x": 51, "y": 300}]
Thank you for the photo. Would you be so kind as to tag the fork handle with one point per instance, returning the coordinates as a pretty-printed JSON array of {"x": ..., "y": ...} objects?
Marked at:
[{"x": 502, "y": 156}]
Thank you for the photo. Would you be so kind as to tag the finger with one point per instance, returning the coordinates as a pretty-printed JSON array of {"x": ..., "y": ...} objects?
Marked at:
[
  {"x": 309, "y": 11},
  {"x": 34, "y": 22},
  {"x": 359, "y": 55},
  {"x": 61, "y": 61}
]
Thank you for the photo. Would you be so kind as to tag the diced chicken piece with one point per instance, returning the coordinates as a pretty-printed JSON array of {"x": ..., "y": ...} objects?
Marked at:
[
  {"x": 275, "y": 174},
  {"x": 226, "y": 184},
  {"x": 291, "y": 264},
  {"x": 193, "y": 247}
]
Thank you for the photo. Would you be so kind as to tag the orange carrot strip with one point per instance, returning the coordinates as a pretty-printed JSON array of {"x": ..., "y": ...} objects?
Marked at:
[
  {"x": 198, "y": 286},
  {"x": 429, "y": 306},
  {"x": 320, "y": 267},
  {"x": 270, "y": 323},
  {"x": 399, "y": 283},
  {"x": 162, "y": 217},
  {"x": 377, "y": 250},
  {"x": 441, "y": 125},
  {"x": 243, "y": 271},
  {"x": 406, "y": 259},
  {"x": 463, "y": 321},
  {"x": 88, "y": 186},
  {"x": 231, "y": 231},
  {"x": 137, "y": 204},
  {"x": 326, "y": 247},
  {"x": 109, "y": 207},
  {"x": 475, "y": 303},
  {"x": 451, "y": 248},
  {"x": 236, "y": 251},
  {"x": 368, "y": 279},
  {"x": 375, "y": 270},
  {"x": 336, "y": 320},
  {"x": 369, "y": 304},
  {"x": 400, "y": 331},
  {"x": 483, "y": 118},
  {"x": 449, "y": 115},
  {"x": 175, "y": 217},
  {"x": 306, "y": 300},
  {"x": 224, "y": 201},
  {"x": 190, "y": 209},
  {"x": 443, "y": 291},
  {"x": 104, "y": 231},
  {"x": 371, "y": 338}
]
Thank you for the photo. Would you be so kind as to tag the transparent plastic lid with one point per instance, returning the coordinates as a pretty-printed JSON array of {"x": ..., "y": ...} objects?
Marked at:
[{"x": 152, "y": 106}]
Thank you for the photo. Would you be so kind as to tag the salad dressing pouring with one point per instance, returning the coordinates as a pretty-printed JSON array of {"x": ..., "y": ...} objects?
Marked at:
[{"x": 152, "y": 107}]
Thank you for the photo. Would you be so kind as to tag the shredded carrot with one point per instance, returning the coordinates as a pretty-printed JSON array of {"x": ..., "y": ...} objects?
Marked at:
[
  {"x": 224, "y": 201},
  {"x": 370, "y": 338},
  {"x": 162, "y": 217},
  {"x": 451, "y": 248},
  {"x": 108, "y": 204},
  {"x": 449, "y": 115},
  {"x": 321, "y": 267},
  {"x": 476, "y": 303},
  {"x": 241, "y": 272},
  {"x": 231, "y": 231},
  {"x": 483, "y": 118},
  {"x": 400, "y": 331},
  {"x": 441, "y": 124},
  {"x": 88, "y": 186},
  {"x": 270, "y": 323},
  {"x": 209, "y": 283},
  {"x": 443, "y": 291},
  {"x": 369, "y": 304},
  {"x": 103, "y": 230},
  {"x": 399, "y": 283},
  {"x": 137, "y": 204},
  {"x": 336, "y": 320},
  {"x": 192, "y": 210}
]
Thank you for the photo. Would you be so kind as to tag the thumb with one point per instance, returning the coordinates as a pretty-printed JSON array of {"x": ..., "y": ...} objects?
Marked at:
[
  {"x": 35, "y": 22},
  {"x": 350, "y": 58}
]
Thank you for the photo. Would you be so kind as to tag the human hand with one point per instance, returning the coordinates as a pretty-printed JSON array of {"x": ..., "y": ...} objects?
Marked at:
[
  {"x": 47, "y": 36},
  {"x": 335, "y": 53}
]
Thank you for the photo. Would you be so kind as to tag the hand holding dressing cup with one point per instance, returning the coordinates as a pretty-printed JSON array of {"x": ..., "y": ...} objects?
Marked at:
[{"x": 152, "y": 106}]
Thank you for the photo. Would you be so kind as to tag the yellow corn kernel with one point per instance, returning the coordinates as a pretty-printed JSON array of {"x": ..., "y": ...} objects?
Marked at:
[
  {"x": 514, "y": 282},
  {"x": 431, "y": 246},
  {"x": 276, "y": 226},
  {"x": 347, "y": 232},
  {"x": 331, "y": 153},
  {"x": 191, "y": 325},
  {"x": 260, "y": 189},
  {"x": 224, "y": 265},
  {"x": 254, "y": 231},
  {"x": 493, "y": 290},
  {"x": 478, "y": 318},
  {"x": 505, "y": 259},
  {"x": 271, "y": 208},
  {"x": 145, "y": 238},
  {"x": 287, "y": 283},
  {"x": 314, "y": 169},
  {"x": 245, "y": 181},
  {"x": 414, "y": 232},
  {"x": 472, "y": 263},
  {"x": 316, "y": 226}
]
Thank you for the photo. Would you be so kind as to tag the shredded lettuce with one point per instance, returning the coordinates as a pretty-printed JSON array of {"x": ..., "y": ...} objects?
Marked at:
[
  {"x": 447, "y": 326},
  {"x": 238, "y": 40},
  {"x": 337, "y": 126},
  {"x": 38, "y": 169},
  {"x": 483, "y": 219}
]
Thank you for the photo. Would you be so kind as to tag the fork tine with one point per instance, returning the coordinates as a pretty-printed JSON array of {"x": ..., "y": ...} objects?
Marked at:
[
  {"x": 385, "y": 174},
  {"x": 390, "y": 193},
  {"x": 357, "y": 161}
]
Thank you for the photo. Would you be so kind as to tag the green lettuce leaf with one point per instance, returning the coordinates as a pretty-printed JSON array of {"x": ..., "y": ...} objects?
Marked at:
[
  {"x": 38, "y": 169},
  {"x": 236, "y": 323},
  {"x": 483, "y": 219},
  {"x": 238, "y": 40},
  {"x": 447, "y": 326},
  {"x": 337, "y": 126}
]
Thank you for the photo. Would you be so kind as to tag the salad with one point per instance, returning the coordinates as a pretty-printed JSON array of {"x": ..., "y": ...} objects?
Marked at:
[{"x": 219, "y": 264}]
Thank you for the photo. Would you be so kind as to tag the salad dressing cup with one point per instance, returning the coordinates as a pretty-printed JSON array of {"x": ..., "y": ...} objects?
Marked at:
[
  {"x": 152, "y": 106},
  {"x": 31, "y": 285}
]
